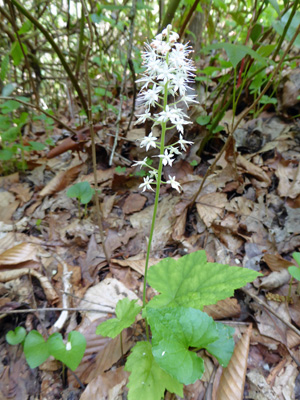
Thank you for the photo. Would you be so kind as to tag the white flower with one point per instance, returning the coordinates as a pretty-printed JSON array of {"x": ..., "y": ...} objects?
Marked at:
[
  {"x": 140, "y": 163},
  {"x": 68, "y": 346},
  {"x": 167, "y": 158},
  {"x": 182, "y": 142},
  {"x": 148, "y": 141},
  {"x": 174, "y": 183},
  {"x": 151, "y": 96},
  {"x": 146, "y": 184},
  {"x": 143, "y": 117}
]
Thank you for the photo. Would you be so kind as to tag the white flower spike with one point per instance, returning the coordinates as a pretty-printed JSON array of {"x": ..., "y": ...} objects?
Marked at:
[{"x": 168, "y": 71}]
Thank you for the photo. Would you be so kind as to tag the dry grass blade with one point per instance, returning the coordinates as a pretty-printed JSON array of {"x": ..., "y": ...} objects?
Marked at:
[
  {"x": 18, "y": 254},
  {"x": 232, "y": 381}
]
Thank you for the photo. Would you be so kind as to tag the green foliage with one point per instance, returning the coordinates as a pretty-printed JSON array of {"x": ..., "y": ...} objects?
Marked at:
[
  {"x": 293, "y": 270},
  {"x": 70, "y": 354},
  {"x": 175, "y": 331},
  {"x": 147, "y": 380},
  {"x": 17, "y": 336},
  {"x": 191, "y": 281},
  {"x": 179, "y": 327},
  {"x": 4, "y": 67},
  {"x": 126, "y": 311},
  {"x": 37, "y": 349},
  {"x": 280, "y": 25},
  {"x": 81, "y": 191}
]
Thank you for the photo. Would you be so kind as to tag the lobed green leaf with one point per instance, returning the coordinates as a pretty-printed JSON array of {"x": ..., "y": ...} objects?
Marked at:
[
  {"x": 126, "y": 311},
  {"x": 191, "y": 281},
  {"x": 147, "y": 380}
]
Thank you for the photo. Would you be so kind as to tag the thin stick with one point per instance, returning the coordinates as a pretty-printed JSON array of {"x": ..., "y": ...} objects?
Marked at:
[
  {"x": 92, "y": 133},
  {"x": 51, "y": 309},
  {"x": 271, "y": 310},
  {"x": 131, "y": 17}
]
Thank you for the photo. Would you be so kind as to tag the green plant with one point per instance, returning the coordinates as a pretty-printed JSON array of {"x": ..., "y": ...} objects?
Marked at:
[
  {"x": 179, "y": 327},
  {"x": 37, "y": 349},
  {"x": 294, "y": 272},
  {"x": 83, "y": 192}
]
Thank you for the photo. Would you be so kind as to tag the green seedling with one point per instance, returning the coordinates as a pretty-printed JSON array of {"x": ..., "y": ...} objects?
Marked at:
[
  {"x": 295, "y": 272},
  {"x": 83, "y": 192},
  {"x": 37, "y": 349},
  {"x": 178, "y": 325},
  {"x": 17, "y": 336}
]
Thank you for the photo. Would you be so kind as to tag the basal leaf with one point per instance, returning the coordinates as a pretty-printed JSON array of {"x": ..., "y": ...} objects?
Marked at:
[
  {"x": 223, "y": 347},
  {"x": 17, "y": 336},
  {"x": 191, "y": 281},
  {"x": 126, "y": 311},
  {"x": 70, "y": 354},
  {"x": 147, "y": 380},
  {"x": 174, "y": 331},
  {"x": 82, "y": 191},
  {"x": 35, "y": 349},
  {"x": 295, "y": 272},
  {"x": 296, "y": 256}
]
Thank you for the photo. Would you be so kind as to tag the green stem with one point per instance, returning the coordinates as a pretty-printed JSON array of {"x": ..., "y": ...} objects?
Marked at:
[{"x": 158, "y": 182}]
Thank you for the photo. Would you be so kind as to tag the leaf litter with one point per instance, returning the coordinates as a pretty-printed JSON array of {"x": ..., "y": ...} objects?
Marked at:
[{"x": 246, "y": 214}]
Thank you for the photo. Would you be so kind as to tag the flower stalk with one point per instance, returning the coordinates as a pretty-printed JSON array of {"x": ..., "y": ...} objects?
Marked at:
[{"x": 168, "y": 73}]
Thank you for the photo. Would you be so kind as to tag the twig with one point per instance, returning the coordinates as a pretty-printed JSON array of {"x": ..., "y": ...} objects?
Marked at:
[
  {"x": 66, "y": 275},
  {"x": 243, "y": 115},
  {"x": 50, "y": 309},
  {"x": 42, "y": 111},
  {"x": 131, "y": 17},
  {"x": 188, "y": 17},
  {"x": 92, "y": 133},
  {"x": 271, "y": 310}
]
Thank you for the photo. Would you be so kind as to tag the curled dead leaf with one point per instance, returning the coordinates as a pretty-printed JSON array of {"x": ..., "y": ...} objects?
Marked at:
[
  {"x": 18, "y": 254},
  {"x": 232, "y": 381}
]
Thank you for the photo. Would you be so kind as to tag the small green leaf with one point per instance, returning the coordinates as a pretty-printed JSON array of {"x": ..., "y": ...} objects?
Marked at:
[
  {"x": 296, "y": 257},
  {"x": 126, "y": 311},
  {"x": 275, "y": 5},
  {"x": 70, "y": 354},
  {"x": 295, "y": 272},
  {"x": 9, "y": 106},
  {"x": 37, "y": 146},
  {"x": 17, "y": 336},
  {"x": 193, "y": 163},
  {"x": 35, "y": 349},
  {"x": 147, "y": 380},
  {"x": 236, "y": 52},
  {"x": 103, "y": 92},
  {"x": 120, "y": 170},
  {"x": 203, "y": 120},
  {"x": 25, "y": 27},
  {"x": 174, "y": 331},
  {"x": 17, "y": 53},
  {"x": 6, "y": 154},
  {"x": 268, "y": 100},
  {"x": 191, "y": 281},
  {"x": 82, "y": 191},
  {"x": 256, "y": 32}
]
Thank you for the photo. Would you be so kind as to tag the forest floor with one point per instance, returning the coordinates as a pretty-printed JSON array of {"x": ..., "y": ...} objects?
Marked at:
[{"x": 247, "y": 214}]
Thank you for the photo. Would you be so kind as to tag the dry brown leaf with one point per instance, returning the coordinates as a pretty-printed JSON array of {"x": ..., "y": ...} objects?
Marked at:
[
  {"x": 108, "y": 385},
  {"x": 275, "y": 279},
  {"x": 211, "y": 206},
  {"x": 18, "y": 254},
  {"x": 253, "y": 170},
  {"x": 232, "y": 381},
  {"x": 223, "y": 309},
  {"x": 276, "y": 263},
  {"x": 289, "y": 179},
  {"x": 61, "y": 181},
  {"x": 137, "y": 265},
  {"x": 134, "y": 202},
  {"x": 104, "y": 296}
]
